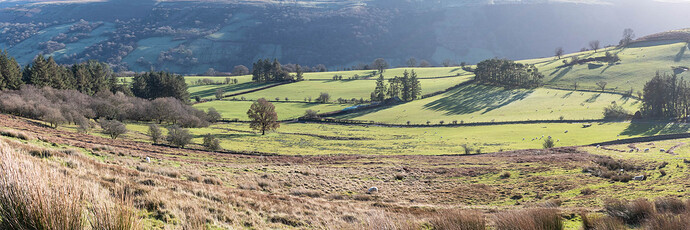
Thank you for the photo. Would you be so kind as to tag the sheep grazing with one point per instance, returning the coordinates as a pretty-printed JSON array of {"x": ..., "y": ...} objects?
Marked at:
[
  {"x": 646, "y": 150},
  {"x": 148, "y": 160},
  {"x": 631, "y": 150},
  {"x": 566, "y": 131},
  {"x": 373, "y": 190}
]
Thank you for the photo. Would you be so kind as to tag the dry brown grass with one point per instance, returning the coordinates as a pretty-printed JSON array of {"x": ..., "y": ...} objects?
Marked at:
[
  {"x": 458, "y": 220},
  {"x": 35, "y": 195},
  {"x": 632, "y": 213},
  {"x": 533, "y": 219},
  {"x": 599, "y": 222}
]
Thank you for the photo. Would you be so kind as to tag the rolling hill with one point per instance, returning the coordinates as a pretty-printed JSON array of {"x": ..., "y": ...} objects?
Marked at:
[{"x": 193, "y": 36}]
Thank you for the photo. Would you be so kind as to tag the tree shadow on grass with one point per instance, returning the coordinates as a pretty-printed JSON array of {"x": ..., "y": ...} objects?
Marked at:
[
  {"x": 561, "y": 74},
  {"x": 473, "y": 98},
  {"x": 593, "y": 98},
  {"x": 360, "y": 113},
  {"x": 227, "y": 89},
  {"x": 681, "y": 53},
  {"x": 655, "y": 128}
]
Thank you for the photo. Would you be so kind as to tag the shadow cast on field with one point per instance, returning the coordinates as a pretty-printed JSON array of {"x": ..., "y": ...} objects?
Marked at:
[
  {"x": 226, "y": 89},
  {"x": 360, "y": 113},
  {"x": 655, "y": 128},
  {"x": 593, "y": 98},
  {"x": 473, "y": 98},
  {"x": 681, "y": 53},
  {"x": 560, "y": 74}
]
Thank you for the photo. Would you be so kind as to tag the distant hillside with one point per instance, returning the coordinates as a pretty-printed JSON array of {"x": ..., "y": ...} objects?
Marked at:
[
  {"x": 192, "y": 36},
  {"x": 673, "y": 35}
]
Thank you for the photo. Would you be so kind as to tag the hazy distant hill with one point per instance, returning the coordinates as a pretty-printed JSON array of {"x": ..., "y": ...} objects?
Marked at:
[{"x": 192, "y": 36}]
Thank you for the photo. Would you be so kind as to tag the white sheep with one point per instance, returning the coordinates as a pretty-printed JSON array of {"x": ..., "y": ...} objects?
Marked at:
[
  {"x": 148, "y": 160},
  {"x": 598, "y": 146},
  {"x": 373, "y": 190}
]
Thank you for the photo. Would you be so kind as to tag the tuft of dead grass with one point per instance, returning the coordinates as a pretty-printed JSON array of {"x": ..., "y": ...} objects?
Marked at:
[
  {"x": 537, "y": 219},
  {"x": 34, "y": 195},
  {"x": 458, "y": 220}
]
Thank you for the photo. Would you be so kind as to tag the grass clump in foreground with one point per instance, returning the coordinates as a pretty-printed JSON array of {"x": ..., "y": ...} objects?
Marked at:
[{"x": 36, "y": 196}]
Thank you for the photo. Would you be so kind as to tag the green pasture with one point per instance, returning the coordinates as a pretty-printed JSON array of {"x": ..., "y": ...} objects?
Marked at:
[
  {"x": 346, "y": 89},
  {"x": 639, "y": 63},
  {"x": 302, "y": 139},
  {"x": 285, "y": 110},
  {"x": 479, "y": 103},
  {"x": 422, "y": 72}
]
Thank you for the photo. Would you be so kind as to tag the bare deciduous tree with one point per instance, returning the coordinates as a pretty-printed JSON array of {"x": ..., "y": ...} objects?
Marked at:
[
  {"x": 559, "y": 52},
  {"x": 602, "y": 85},
  {"x": 594, "y": 45}
]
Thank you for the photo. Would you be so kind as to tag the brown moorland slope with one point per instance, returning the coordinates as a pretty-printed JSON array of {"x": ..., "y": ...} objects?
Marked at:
[{"x": 186, "y": 188}]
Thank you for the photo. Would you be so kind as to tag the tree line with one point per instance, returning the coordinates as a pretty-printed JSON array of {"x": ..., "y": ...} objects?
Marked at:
[
  {"x": 508, "y": 73},
  {"x": 89, "y": 78},
  {"x": 666, "y": 96},
  {"x": 407, "y": 87},
  {"x": 265, "y": 70}
]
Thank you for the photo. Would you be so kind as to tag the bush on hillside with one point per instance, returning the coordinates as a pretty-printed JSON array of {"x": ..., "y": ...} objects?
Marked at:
[
  {"x": 112, "y": 128},
  {"x": 178, "y": 136}
]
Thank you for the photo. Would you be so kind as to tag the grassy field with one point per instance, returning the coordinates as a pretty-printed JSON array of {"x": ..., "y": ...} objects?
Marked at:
[
  {"x": 344, "y": 89},
  {"x": 285, "y": 110},
  {"x": 209, "y": 91},
  {"x": 639, "y": 62},
  {"x": 429, "y": 72},
  {"x": 322, "y": 139},
  {"x": 478, "y": 103}
]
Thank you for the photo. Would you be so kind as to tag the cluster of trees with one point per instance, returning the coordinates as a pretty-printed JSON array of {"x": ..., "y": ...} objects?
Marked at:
[
  {"x": 266, "y": 71},
  {"x": 10, "y": 73},
  {"x": 152, "y": 85},
  {"x": 407, "y": 87},
  {"x": 59, "y": 107},
  {"x": 666, "y": 96},
  {"x": 508, "y": 73},
  {"x": 89, "y": 77}
]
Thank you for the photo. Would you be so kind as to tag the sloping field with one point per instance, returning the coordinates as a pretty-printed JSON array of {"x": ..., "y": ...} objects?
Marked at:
[
  {"x": 639, "y": 63},
  {"x": 422, "y": 72},
  {"x": 346, "y": 89},
  {"x": 479, "y": 103},
  {"x": 285, "y": 110}
]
